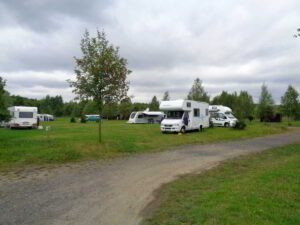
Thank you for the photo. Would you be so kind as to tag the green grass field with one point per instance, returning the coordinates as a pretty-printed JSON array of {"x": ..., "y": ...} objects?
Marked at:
[
  {"x": 68, "y": 142},
  {"x": 261, "y": 189}
]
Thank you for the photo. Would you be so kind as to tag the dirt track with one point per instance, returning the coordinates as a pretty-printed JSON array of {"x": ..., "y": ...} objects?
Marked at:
[{"x": 115, "y": 192}]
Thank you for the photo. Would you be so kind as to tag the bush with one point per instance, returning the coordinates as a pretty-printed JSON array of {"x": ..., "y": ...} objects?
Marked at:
[
  {"x": 73, "y": 120},
  {"x": 82, "y": 119},
  {"x": 250, "y": 118},
  {"x": 240, "y": 125}
]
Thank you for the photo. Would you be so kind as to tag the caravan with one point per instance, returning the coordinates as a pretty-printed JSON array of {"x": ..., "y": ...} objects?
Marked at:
[
  {"x": 45, "y": 117},
  {"x": 23, "y": 117},
  {"x": 184, "y": 115},
  {"x": 146, "y": 117},
  {"x": 222, "y": 116}
]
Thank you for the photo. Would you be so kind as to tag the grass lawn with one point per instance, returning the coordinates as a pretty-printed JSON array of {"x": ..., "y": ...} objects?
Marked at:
[
  {"x": 67, "y": 142},
  {"x": 261, "y": 189}
]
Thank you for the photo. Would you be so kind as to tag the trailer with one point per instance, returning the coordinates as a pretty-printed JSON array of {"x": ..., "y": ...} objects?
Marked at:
[
  {"x": 146, "y": 117},
  {"x": 184, "y": 115},
  {"x": 23, "y": 117},
  {"x": 45, "y": 117}
]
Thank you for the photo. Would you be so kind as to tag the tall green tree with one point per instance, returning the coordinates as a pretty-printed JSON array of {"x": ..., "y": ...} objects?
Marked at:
[
  {"x": 226, "y": 99},
  {"x": 4, "y": 101},
  {"x": 125, "y": 108},
  {"x": 265, "y": 104},
  {"x": 90, "y": 108},
  {"x": 244, "y": 106},
  {"x": 100, "y": 73},
  {"x": 290, "y": 103},
  {"x": 52, "y": 105},
  {"x": 166, "y": 96},
  {"x": 197, "y": 92},
  {"x": 154, "y": 104}
]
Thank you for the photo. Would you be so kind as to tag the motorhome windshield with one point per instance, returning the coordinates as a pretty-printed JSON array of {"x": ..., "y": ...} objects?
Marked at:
[
  {"x": 26, "y": 115},
  {"x": 174, "y": 114}
]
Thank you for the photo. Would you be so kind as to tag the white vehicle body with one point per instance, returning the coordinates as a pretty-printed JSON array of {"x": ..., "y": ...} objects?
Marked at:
[
  {"x": 146, "y": 117},
  {"x": 23, "y": 117},
  {"x": 45, "y": 117},
  {"x": 222, "y": 116},
  {"x": 183, "y": 115}
]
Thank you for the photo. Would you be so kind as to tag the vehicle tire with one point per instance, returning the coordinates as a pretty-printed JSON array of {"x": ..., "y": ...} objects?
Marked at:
[
  {"x": 182, "y": 130},
  {"x": 163, "y": 132},
  {"x": 226, "y": 125}
]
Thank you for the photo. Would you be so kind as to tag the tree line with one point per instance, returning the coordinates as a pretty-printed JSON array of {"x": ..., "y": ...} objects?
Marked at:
[{"x": 241, "y": 103}]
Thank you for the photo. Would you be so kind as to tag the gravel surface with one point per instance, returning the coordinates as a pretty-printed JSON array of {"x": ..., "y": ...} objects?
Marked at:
[{"x": 114, "y": 192}]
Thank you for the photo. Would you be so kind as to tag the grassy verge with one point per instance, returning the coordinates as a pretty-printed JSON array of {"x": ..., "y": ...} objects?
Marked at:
[
  {"x": 67, "y": 142},
  {"x": 262, "y": 189}
]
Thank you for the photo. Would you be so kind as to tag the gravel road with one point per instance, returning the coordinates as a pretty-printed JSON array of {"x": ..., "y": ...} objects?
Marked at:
[{"x": 113, "y": 192}]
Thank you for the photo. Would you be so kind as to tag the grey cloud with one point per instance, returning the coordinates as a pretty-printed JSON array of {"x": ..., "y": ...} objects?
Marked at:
[
  {"x": 229, "y": 45},
  {"x": 47, "y": 15}
]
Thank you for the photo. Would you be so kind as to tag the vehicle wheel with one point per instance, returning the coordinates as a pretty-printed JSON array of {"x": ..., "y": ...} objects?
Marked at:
[
  {"x": 182, "y": 130},
  {"x": 226, "y": 125},
  {"x": 163, "y": 132}
]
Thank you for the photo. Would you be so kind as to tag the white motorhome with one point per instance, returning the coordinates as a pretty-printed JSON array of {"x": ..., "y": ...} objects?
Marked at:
[
  {"x": 183, "y": 115},
  {"x": 45, "y": 117},
  {"x": 222, "y": 116},
  {"x": 23, "y": 117},
  {"x": 146, "y": 117}
]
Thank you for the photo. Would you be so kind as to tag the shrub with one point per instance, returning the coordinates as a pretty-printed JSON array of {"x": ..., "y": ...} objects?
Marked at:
[
  {"x": 240, "y": 125},
  {"x": 82, "y": 119},
  {"x": 73, "y": 120},
  {"x": 250, "y": 118}
]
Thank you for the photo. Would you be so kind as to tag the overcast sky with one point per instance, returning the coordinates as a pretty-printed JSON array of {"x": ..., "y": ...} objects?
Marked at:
[{"x": 231, "y": 45}]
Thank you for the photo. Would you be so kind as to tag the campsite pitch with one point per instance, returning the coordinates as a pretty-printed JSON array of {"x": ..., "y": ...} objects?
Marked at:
[{"x": 72, "y": 142}]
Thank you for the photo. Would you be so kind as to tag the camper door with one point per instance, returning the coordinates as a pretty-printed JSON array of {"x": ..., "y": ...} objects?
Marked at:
[{"x": 196, "y": 118}]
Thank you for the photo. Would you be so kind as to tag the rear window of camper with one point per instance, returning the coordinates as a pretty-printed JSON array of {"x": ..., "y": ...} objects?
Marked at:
[{"x": 25, "y": 114}]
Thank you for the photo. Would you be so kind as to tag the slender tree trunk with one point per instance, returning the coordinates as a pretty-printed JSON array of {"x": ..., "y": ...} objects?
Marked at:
[{"x": 100, "y": 123}]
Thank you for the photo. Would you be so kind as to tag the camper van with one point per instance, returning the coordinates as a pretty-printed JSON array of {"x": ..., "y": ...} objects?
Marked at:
[
  {"x": 23, "y": 117},
  {"x": 45, "y": 117},
  {"x": 184, "y": 115},
  {"x": 146, "y": 117},
  {"x": 222, "y": 116}
]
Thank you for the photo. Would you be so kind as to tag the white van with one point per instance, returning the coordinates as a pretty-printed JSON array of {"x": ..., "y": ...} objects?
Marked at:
[
  {"x": 184, "y": 115},
  {"x": 222, "y": 116},
  {"x": 23, "y": 117},
  {"x": 146, "y": 117}
]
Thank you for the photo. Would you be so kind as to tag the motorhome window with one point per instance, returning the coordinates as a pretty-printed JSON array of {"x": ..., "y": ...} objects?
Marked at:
[
  {"x": 196, "y": 112},
  {"x": 132, "y": 115},
  {"x": 188, "y": 104},
  {"x": 174, "y": 114},
  {"x": 25, "y": 114},
  {"x": 141, "y": 116},
  {"x": 206, "y": 112}
]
